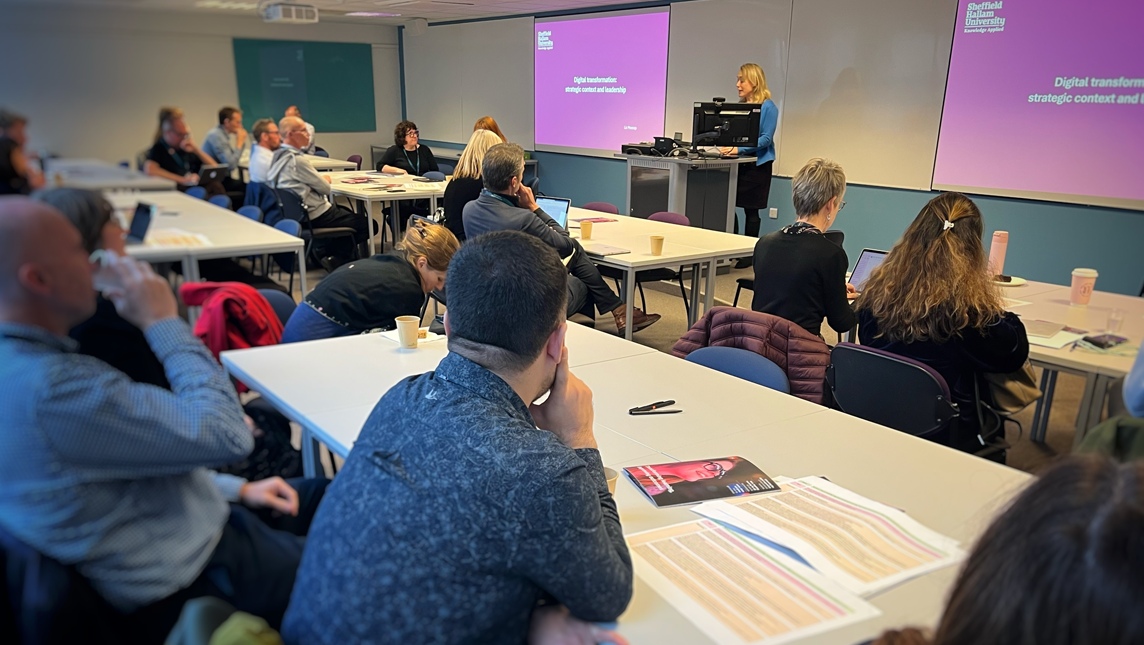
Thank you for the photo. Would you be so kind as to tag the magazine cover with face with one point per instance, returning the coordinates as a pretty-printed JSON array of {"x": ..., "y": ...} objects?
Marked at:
[{"x": 687, "y": 482}]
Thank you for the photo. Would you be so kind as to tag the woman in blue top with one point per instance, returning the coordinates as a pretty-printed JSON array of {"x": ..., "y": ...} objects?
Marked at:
[{"x": 755, "y": 179}]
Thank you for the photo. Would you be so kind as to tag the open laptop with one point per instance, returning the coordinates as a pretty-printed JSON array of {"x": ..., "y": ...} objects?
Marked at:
[
  {"x": 207, "y": 174},
  {"x": 869, "y": 260},
  {"x": 556, "y": 207},
  {"x": 140, "y": 222}
]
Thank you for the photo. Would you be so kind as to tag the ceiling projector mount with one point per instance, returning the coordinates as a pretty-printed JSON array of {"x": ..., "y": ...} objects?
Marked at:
[{"x": 289, "y": 13}]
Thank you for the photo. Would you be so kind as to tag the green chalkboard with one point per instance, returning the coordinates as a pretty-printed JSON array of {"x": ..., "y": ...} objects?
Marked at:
[{"x": 331, "y": 83}]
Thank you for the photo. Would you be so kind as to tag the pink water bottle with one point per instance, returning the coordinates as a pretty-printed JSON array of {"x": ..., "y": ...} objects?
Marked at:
[{"x": 997, "y": 252}]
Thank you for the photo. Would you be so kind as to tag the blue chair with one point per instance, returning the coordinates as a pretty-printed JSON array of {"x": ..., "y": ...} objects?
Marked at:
[
  {"x": 534, "y": 185},
  {"x": 744, "y": 364},
  {"x": 321, "y": 152},
  {"x": 446, "y": 168},
  {"x": 286, "y": 261},
  {"x": 198, "y": 192},
  {"x": 222, "y": 201},
  {"x": 282, "y": 304},
  {"x": 435, "y": 175},
  {"x": 125, "y": 164},
  {"x": 252, "y": 212}
]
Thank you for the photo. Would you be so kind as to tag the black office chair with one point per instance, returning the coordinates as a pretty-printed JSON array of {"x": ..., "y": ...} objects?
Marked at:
[
  {"x": 291, "y": 205},
  {"x": 891, "y": 390}
]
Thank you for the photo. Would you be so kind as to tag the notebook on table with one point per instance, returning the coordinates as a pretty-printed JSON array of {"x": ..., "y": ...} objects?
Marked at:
[
  {"x": 556, "y": 207},
  {"x": 602, "y": 250}
]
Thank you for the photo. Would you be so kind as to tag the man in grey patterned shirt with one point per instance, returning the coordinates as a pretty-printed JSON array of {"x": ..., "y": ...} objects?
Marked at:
[
  {"x": 464, "y": 506},
  {"x": 110, "y": 475}
]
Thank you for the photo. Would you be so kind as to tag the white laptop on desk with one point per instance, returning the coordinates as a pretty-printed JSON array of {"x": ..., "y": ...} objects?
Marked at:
[
  {"x": 602, "y": 250},
  {"x": 556, "y": 207},
  {"x": 869, "y": 260}
]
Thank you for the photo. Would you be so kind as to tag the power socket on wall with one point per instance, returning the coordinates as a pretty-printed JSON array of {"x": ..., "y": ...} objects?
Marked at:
[{"x": 774, "y": 213}]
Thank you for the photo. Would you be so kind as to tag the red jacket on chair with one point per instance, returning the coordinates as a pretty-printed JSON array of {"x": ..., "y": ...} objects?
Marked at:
[
  {"x": 234, "y": 316},
  {"x": 802, "y": 355}
]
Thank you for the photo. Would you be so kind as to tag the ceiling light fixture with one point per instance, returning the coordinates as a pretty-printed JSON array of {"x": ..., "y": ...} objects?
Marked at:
[
  {"x": 226, "y": 4},
  {"x": 372, "y": 14}
]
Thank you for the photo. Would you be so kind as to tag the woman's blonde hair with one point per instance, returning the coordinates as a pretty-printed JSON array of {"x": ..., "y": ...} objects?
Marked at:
[
  {"x": 490, "y": 124},
  {"x": 433, "y": 242},
  {"x": 935, "y": 282},
  {"x": 754, "y": 75},
  {"x": 470, "y": 164}
]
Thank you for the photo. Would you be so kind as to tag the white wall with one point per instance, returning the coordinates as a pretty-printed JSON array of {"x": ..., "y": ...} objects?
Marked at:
[{"x": 91, "y": 81}]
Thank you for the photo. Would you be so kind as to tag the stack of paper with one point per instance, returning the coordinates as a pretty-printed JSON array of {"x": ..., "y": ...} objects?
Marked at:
[
  {"x": 738, "y": 591},
  {"x": 864, "y": 545},
  {"x": 778, "y": 567}
]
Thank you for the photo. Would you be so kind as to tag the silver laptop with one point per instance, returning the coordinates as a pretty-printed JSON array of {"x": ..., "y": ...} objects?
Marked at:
[
  {"x": 869, "y": 260},
  {"x": 556, "y": 207}
]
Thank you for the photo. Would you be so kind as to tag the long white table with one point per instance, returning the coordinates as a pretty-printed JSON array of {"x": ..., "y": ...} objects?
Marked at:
[
  {"x": 951, "y": 492},
  {"x": 682, "y": 246},
  {"x": 230, "y": 234},
  {"x": 379, "y": 193},
  {"x": 96, "y": 174},
  {"x": 321, "y": 164},
  {"x": 1051, "y": 302}
]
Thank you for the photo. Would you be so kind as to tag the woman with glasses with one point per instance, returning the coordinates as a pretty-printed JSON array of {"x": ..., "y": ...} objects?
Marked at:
[
  {"x": 407, "y": 156},
  {"x": 369, "y": 294},
  {"x": 800, "y": 275}
]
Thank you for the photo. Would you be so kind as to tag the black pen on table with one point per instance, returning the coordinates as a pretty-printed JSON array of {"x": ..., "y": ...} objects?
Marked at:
[{"x": 654, "y": 408}]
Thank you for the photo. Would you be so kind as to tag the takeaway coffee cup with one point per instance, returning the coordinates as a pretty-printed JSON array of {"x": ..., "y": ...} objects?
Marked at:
[
  {"x": 1083, "y": 283},
  {"x": 657, "y": 245},
  {"x": 585, "y": 230},
  {"x": 611, "y": 476},
  {"x": 407, "y": 330}
]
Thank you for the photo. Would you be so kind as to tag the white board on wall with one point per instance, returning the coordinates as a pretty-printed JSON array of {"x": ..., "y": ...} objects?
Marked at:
[
  {"x": 710, "y": 40},
  {"x": 865, "y": 88},
  {"x": 455, "y": 74}
]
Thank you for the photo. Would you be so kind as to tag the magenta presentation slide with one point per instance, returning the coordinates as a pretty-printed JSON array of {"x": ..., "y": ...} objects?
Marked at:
[
  {"x": 601, "y": 82},
  {"x": 1046, "y": 96}
]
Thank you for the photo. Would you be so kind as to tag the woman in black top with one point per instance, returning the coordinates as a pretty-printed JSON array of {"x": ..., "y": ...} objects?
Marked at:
[
  {"x": 16, "y": 176},
  {"x": 799, "y": 274},
  {"x": 369, "y": 294},
  {"x": 933, "y": 300},
  {"x": 406, "y": 156},
  {"x": 466, "y": 184}
]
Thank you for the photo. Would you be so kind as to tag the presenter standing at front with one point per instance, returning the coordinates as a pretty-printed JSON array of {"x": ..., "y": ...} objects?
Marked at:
[{"x": 755, "y": 179}]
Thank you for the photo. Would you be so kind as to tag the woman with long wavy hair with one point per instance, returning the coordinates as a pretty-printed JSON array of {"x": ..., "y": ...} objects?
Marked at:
[{"x": 933, "y": 300}]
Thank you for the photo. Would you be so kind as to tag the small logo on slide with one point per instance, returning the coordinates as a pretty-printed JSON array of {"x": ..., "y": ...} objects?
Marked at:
[
  {"x": 983, "y": 18},
  {"x": 543, "y": 41}
]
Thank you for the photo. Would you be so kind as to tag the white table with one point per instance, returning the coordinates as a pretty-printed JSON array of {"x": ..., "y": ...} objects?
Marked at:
[
  {"x": 950, "y": 491},
  {"x": 95, "y": 174},
  {"x": 683, "y": 246},
  {"x": 230, "y": 234},
  {"x": 1051, "y": 302},
  {"x": 333, "y": 410},
  {"x": 368, "y": 194},
  {"x": 321, "y": 164}
]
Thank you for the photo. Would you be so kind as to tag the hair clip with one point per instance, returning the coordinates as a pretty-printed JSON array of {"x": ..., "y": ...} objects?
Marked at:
[{"x": 946, "y": 225}]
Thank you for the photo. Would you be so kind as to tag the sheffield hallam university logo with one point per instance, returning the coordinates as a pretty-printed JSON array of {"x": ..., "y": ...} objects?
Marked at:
[{"x": 983, "y": 18}]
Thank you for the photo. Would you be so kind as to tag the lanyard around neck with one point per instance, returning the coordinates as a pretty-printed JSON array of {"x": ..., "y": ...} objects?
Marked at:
[
  {"x": 500, "y": 198},
  {"x": 416, "y": 153}
]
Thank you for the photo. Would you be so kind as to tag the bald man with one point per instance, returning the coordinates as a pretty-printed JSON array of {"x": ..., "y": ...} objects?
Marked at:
[
  {"x": 110, "y": 475},
  {"x": 290, "y": 170},
  {"x": 295, "y": 112}
]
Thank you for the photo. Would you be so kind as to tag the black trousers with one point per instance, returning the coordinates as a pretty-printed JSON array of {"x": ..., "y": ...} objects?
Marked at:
[
  {"x": 600, "y": 293},
  {"x": 754, "y": 192},
  {"x": 339, "y": 217},
  {"x": 253, "y": 567}
]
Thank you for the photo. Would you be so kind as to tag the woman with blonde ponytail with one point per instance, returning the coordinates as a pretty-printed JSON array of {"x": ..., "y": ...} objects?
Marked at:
[
  {"x": 933, "y": 300},
  {"x": 754, "y": 188},
  {"x": 369, "y": 294}
]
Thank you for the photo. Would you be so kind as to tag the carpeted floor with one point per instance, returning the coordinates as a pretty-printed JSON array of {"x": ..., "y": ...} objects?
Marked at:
[{"x": 664, "y": 299}]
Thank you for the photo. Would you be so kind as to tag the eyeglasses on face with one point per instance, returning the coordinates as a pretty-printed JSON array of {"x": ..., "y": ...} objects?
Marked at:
[{"x": 715, "y": 467}]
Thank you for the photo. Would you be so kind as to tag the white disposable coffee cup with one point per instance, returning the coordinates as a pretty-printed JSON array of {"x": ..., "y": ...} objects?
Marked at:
[
  {"x": 1083, "y": 284},
  {"x": 407, "y": 327}
]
